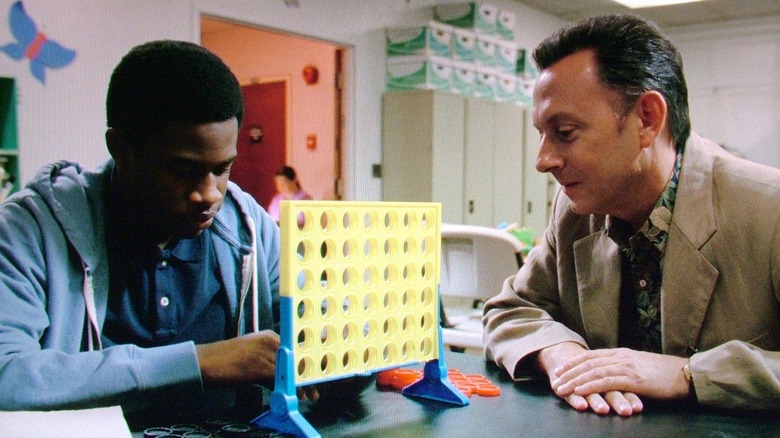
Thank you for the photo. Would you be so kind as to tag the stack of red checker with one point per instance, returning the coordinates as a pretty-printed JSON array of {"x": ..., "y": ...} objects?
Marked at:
[{"x": 469, "y": 385}]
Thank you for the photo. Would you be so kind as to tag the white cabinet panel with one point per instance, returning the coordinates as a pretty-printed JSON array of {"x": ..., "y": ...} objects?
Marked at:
[{"x": 466, "y": 153}]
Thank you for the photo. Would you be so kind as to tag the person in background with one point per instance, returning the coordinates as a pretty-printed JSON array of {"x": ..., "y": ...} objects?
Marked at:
[
  {"x": 151, "y": 282},
  {"x": 658, "y": 276},
  {"x": 287, "y": 188}
]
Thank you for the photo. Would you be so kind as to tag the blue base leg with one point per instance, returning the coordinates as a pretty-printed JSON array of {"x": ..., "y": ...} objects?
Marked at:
[
  {"x": 435, "y": 385},
  {"x": 285, "y": 418}
]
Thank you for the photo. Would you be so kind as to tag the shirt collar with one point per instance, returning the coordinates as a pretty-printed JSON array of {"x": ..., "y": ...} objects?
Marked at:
[{"x": 656, "y": 227}]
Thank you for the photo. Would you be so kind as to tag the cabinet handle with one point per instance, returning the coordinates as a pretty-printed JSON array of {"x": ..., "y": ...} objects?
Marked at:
[
  {"x": 471, "y": 206},
  {"x": 529, "y": 207}
]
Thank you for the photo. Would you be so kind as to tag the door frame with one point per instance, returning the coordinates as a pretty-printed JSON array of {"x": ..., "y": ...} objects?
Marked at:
[{"x": 344, "y": 150}]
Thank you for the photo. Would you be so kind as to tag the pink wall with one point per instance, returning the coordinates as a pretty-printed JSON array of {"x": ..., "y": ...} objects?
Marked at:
[{"x": 257, "y": 55}]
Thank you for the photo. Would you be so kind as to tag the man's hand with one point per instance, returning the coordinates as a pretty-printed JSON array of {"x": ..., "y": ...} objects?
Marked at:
[
  {"x": 612, "y": 378},
  {"x": 250, "y": 358}
]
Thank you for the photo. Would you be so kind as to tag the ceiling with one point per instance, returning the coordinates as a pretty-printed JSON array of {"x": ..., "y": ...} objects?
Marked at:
[{"x": 705, "y": 12}]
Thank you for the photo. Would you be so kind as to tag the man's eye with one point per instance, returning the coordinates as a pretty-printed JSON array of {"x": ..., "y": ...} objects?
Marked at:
[
  {"x": 186, "y": 171},
  {"x": 222, "y": 170},
  {"x": 565, "y": 134}
]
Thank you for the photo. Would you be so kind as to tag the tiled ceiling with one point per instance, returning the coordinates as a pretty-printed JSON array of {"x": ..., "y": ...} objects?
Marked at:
[{"x": 704, "y": 12}]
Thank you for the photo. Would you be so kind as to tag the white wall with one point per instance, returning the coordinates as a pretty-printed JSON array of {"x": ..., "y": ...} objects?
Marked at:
[
  {"x": 733, "y": 74},
  {"x": 65, "y": 119},
  {"x": 255, "y": 57}
]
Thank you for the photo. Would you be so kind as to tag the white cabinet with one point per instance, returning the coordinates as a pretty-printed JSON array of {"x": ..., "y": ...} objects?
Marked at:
[
  {"x": 422, "y": 150},
  {"x": 539, "y": 188},
  {"x": 466, "y": 153}
]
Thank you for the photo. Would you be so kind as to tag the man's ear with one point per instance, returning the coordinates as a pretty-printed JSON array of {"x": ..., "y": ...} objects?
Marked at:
[
  {"x": 117, "y": 146},
  {"x": 651, "y": 108}
]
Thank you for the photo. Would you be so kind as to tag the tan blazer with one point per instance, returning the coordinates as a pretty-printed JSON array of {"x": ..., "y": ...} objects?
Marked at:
[{"x": 721, "y": 283}]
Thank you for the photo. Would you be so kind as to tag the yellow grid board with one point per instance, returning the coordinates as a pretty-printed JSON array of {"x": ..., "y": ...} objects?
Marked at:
[{"x": 363, "y": 280}]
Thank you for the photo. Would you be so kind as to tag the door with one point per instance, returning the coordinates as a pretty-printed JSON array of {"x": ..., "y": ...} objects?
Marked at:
[{"x": 262, "y": 139}]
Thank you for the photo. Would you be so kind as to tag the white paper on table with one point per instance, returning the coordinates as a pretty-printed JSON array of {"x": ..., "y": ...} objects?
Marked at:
[{"x": 83, "y": 423}]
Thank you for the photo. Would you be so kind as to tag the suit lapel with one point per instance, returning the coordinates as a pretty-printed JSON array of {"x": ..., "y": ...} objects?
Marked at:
[
  {"x": 688, "y": 282},
  {"x": 597, "y": 261},
  {"x": 688, "y": 278}
]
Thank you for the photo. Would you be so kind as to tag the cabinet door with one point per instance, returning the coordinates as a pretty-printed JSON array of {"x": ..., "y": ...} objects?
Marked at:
[
  {"x": 537, "y": 185},
  {"x": 480, "y": 128},
  {"x": 422, "y": 149},
  {"x": 508, "y": 164}
]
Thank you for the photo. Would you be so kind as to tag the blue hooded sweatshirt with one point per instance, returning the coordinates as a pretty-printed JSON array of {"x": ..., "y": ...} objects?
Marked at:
[{"x": 54, "y": 282}]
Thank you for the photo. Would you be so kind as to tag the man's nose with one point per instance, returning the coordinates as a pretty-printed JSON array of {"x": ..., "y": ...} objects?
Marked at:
[
  {"x": 207, "y": 191},
  {"x": 548, "y": 157}
]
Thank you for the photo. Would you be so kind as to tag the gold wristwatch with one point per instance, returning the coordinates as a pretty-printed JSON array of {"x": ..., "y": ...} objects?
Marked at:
[{"x": 686, "y": 369}]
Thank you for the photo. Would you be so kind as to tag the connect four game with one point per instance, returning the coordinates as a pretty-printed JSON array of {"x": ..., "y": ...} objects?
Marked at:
[{"x": 359, "y": 295}]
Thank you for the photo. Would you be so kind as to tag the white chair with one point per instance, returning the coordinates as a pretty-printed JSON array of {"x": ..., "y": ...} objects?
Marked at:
[{"x": 475, "y": 261}]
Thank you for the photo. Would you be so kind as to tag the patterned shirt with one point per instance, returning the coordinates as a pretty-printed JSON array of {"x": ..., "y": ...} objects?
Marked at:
[{"x": 643, "y": 252}]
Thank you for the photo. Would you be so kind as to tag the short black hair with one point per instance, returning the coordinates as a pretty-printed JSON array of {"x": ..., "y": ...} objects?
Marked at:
[
  {"x": 633, "y": 57},
  {"x": 287, "y": 172},
  {"x": 166, "y": 81}
]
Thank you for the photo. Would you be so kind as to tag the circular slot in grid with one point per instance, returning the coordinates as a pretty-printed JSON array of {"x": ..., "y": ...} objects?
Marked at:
[
  {"x": 409, "y": 272},
  {"x": 370, "y": 220},
  {"x": 328, "y": 364},
  {"x": 405, "y": 325},
  {"x": 349, "y": 219},
  {"x": 391, "y": 247},
  {"x": 370, "y": 357},
  {"x": 305, "y": 339},
  {"x": 350, "y": 305},
  {"x": 390, "y": 300},
  {"x": 391, "y": 274},
  {"x": 305, "y": 367},
  {"x": 370, "y": 248},
  {"x": 410, "y": 220},
  {"x": 350, "y": 333},
  {"x": 305, "y": 310},
  {"x": 305, "y": 280},
  {"x": 390, "y": 353},
  {"x": 391, "y": 220},
  {"x": 408, "y": 324},
  {"x": 370, "y": 276},
  {"x": 350, "y": 248},
  {"x": 408, "y": 299},
  {"x": 328, "y": 220},
  {"x": 350, "y": 360},
  {"x": 328, "y": 250},
  {"x": 427, "y": 271},
  {"x": 328, "y": 307},
  {"x": 304, "y": 251},
  {"x": 408, "y": 350},
  {"x": 390, "y": 327}
]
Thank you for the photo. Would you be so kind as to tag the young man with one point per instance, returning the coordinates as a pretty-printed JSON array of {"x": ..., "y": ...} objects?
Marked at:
[
  {"x": 659, "y": 275},
  {"x": 151, "y": 282}
]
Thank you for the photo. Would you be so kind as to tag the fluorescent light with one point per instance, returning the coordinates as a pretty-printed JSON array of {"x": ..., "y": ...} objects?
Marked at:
[{"x": 638, "y": 4}]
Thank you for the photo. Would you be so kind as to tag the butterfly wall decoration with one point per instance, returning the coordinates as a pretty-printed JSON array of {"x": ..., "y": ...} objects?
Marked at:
[{"x": 33, "y": 45}]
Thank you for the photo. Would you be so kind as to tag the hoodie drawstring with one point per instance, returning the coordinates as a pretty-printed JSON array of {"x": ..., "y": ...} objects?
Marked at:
[
  {"x": 93, "y": 334},
  {"x": 253, "y": 276}
]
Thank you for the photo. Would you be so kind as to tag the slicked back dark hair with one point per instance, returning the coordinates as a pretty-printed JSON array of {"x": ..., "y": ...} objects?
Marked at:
[
  {"x": 633, "y": 57},
  {"x": 162, "y": 82}
]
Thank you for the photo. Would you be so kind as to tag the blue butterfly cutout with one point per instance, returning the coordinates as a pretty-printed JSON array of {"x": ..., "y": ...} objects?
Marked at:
[{"x": 33, "y": 45}]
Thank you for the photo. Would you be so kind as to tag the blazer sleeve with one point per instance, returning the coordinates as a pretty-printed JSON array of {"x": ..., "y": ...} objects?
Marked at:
[
  {"x": 745, "y": 374},
  {"x": 523, "y": 318}
]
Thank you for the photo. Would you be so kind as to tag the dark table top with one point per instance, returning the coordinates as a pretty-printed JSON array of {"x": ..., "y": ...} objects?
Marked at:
[{"x": 527, "y": 409}]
